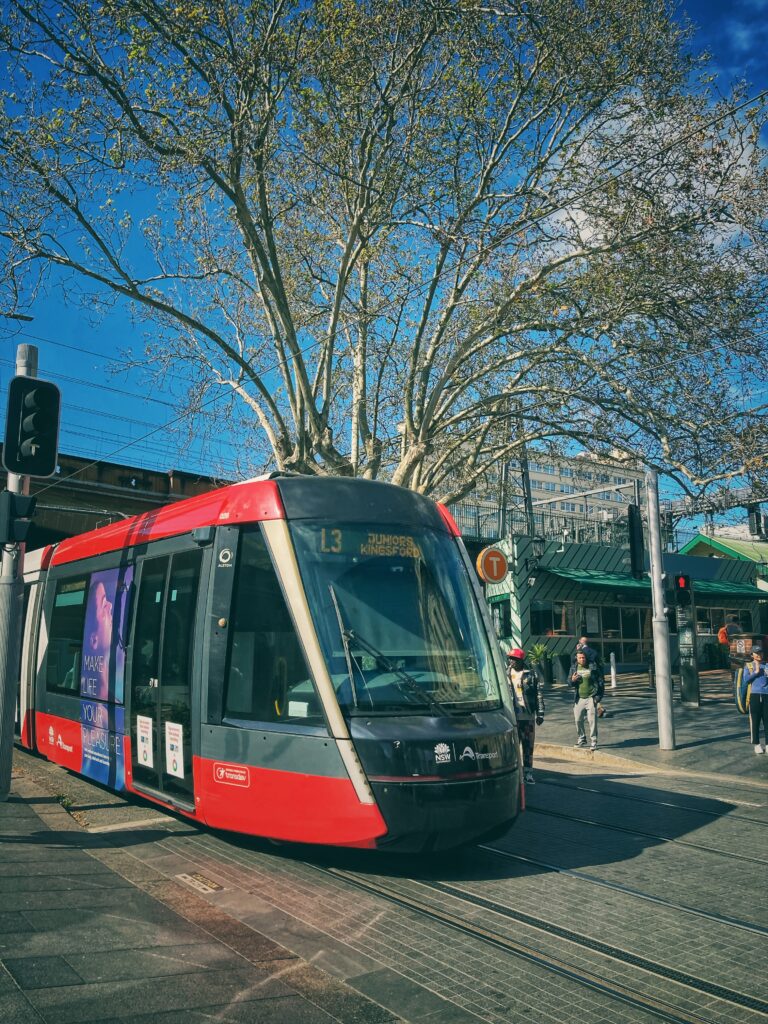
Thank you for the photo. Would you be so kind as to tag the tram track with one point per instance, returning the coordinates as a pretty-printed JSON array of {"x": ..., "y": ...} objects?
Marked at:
[
  {"x": 623, "y": 993},
  {"x": 668, "y": 804},
  {"x": 421, "y": 902},
  {"x": 626, "y": 829},
  {"x": 625, "y": 890}
]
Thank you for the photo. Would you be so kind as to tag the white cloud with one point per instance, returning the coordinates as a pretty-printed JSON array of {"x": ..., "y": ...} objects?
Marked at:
[{"x": 740, "y": 35}]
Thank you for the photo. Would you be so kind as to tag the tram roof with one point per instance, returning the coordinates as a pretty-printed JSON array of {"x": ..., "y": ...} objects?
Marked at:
[{"x": 281, "y": 497}]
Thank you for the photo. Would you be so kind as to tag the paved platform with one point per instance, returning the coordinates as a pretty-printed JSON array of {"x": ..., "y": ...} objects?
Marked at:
[
  {"x": 710, "y": 739},
  {"x": 88, "y": 933},
  {"x": 96, "y": 925}
]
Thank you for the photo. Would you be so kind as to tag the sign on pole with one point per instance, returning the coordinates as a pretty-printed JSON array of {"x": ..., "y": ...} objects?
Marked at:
[{"x": 492, "y": 565}]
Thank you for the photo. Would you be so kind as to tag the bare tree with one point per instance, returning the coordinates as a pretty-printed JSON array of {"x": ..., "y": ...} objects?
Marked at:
[{"x": 393, "y": 231}]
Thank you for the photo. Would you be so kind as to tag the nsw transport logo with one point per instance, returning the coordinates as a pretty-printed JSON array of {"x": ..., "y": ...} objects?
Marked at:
[{"x": 442, "y": 753}]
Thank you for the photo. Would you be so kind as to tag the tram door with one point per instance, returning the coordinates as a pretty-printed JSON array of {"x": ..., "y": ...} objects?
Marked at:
[{"x": 161, "y": 677}]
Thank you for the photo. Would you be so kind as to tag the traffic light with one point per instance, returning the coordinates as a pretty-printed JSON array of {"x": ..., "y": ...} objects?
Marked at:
[
  {"x": 16, "y": 511},
  {"x": 636, "y": 546},
  {"x": 682, "y": 587},
  {"x": 32, "y": 427}
]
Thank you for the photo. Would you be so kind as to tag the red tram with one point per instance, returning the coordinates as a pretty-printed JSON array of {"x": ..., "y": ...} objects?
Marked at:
[{"x": 305, "y": 659}]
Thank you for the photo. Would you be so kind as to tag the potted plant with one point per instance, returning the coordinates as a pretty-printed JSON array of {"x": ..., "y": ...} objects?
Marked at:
[{"x": 538, "y": 657}]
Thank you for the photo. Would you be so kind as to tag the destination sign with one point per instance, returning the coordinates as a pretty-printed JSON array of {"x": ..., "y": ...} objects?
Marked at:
[{"x": 368, "y": 543}]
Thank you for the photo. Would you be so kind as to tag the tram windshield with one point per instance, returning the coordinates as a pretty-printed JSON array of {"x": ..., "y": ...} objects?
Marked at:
[{"x": 397, "y": 619}]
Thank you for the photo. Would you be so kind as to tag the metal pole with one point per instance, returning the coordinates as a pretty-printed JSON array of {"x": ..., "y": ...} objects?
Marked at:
[
  {"x": 525, "y": 476},
  {"x": 502, "y": 530},
  {"x": 11, "y": 598},
  {"x": 613, "y": 670},
  {"x": 663, "y": 674}
]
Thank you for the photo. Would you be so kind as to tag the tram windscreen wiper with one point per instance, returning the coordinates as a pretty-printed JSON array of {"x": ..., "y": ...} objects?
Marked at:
[
  {"x": 406, "y": 682},
  {"x": 345, "y": 635}
]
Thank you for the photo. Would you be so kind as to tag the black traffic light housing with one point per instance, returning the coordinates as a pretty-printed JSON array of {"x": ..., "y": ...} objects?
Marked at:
[
  {"x": 636, "y": 545},
  {"x": 32, "y": 427},
  {"x": 682, "y": 588},
  {"x": 16, "y": 511}
]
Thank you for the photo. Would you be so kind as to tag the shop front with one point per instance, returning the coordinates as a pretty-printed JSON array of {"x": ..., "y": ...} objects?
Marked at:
[{"x": 588, "y": 590}]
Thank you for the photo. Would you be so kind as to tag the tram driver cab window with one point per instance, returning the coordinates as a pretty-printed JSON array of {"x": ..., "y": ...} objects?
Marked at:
[{"x": 267, "y": 679}]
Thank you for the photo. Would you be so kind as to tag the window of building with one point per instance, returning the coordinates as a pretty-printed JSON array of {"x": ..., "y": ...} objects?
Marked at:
[
  {"x": 501, "y": 613},
  {"x": 568, "y": 506},
  {"x": 611, "y": 621},
  {"x": 65, "y": 636},
  {"x": 567, "y": 489},
  {"x": 552, "y": 618},
  {"x": 549, "y": 485},
  {"x": 704, "y": 620},
  {"x": 630, "y": 623},
  {"x": 266, "y": 678}
]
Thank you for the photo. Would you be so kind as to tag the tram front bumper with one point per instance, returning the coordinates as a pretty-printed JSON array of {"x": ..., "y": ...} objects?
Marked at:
[{"x": 430, "y": 816}]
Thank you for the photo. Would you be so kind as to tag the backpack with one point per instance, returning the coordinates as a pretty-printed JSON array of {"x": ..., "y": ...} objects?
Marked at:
[
  {"x": 722, "y": 635},
  {"x": 741, "y": 691}
]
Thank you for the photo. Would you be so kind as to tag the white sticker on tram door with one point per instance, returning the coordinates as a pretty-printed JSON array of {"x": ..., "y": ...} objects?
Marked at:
[
  {"x": 174, "y": 750},
  {"x": 144, "y": 740}
]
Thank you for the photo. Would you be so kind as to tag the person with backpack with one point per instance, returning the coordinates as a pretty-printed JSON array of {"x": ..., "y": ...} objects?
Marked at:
[
  {"x": 587, "y": 682},
  {"x": 756, "y": 676},
  {"x": 529, "y": 706}
]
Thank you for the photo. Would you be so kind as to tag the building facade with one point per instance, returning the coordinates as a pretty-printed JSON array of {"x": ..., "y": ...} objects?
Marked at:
[{"x": 555, "y": 595}]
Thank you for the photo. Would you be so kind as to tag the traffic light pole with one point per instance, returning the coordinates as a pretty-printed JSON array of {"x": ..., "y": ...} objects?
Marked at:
[
  {"x": 662, "y": 659},
  {"x": 11, "y": 599}
]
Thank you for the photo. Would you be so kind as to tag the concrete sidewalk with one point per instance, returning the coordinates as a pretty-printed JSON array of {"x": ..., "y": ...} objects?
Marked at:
[
  {"x": 712, "y": 739},
  {"x": 89, "y": 933}
]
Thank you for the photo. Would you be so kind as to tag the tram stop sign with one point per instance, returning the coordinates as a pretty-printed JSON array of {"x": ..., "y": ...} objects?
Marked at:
[{"x": 492, "y": 565}]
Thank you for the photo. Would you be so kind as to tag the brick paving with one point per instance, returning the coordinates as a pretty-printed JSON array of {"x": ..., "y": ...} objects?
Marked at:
[
  {"x": 285, "y": 940},
  {"x": 79, "y": 942}
]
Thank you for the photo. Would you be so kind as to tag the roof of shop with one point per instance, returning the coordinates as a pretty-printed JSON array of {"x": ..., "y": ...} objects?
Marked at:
[{"x": 747, "y": 550}]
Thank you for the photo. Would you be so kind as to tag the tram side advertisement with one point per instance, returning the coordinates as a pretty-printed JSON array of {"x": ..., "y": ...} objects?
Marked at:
[{"x": 102, "y": 676}]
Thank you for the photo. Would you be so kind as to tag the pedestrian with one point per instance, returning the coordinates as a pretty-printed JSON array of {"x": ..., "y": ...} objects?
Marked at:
[
  {"x": 529, "y": 706},
  {"x": 755, "y": 674},
  {"x": 593, "y": 657},
  {"x": 725, "y": 634},
  {"x": 588, "y": 685}
]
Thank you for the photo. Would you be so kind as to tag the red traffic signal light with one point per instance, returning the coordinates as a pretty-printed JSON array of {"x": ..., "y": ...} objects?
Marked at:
[
  {"x": 682, "y": 589},
  {"x": 32, "y": 427}
]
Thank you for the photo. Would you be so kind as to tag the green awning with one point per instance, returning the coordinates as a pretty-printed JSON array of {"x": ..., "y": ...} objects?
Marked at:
[
  {"x": 728, "y": 588},
  {"x": 596, "y": 579}
]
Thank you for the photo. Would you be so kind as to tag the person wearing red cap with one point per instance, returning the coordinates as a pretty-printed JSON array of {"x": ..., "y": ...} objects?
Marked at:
[{"x": 529, "y": 706}]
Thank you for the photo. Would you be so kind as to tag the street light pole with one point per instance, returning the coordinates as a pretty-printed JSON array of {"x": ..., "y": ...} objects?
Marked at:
[
  {"x": 662, "y": 659},
  {"x": 11, "y": 597}
]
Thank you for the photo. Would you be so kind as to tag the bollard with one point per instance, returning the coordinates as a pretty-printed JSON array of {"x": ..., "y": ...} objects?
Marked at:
[{"x": 613, "y": 671}]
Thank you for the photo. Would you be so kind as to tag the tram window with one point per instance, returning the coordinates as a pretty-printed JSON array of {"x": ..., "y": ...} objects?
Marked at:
[
  {"x": 179, "y": 620},
  {"x": 149, "y": 619},
  {"x": 65, "y": 637},
  {"x": 266, "y": 679}
]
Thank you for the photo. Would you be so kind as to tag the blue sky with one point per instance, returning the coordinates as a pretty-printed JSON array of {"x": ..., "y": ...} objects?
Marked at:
[{"x": 108, "y": 414}]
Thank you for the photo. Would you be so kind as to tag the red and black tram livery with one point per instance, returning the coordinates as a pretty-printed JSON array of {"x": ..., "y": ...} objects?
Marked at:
[{"x": 305, "y": 659}]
